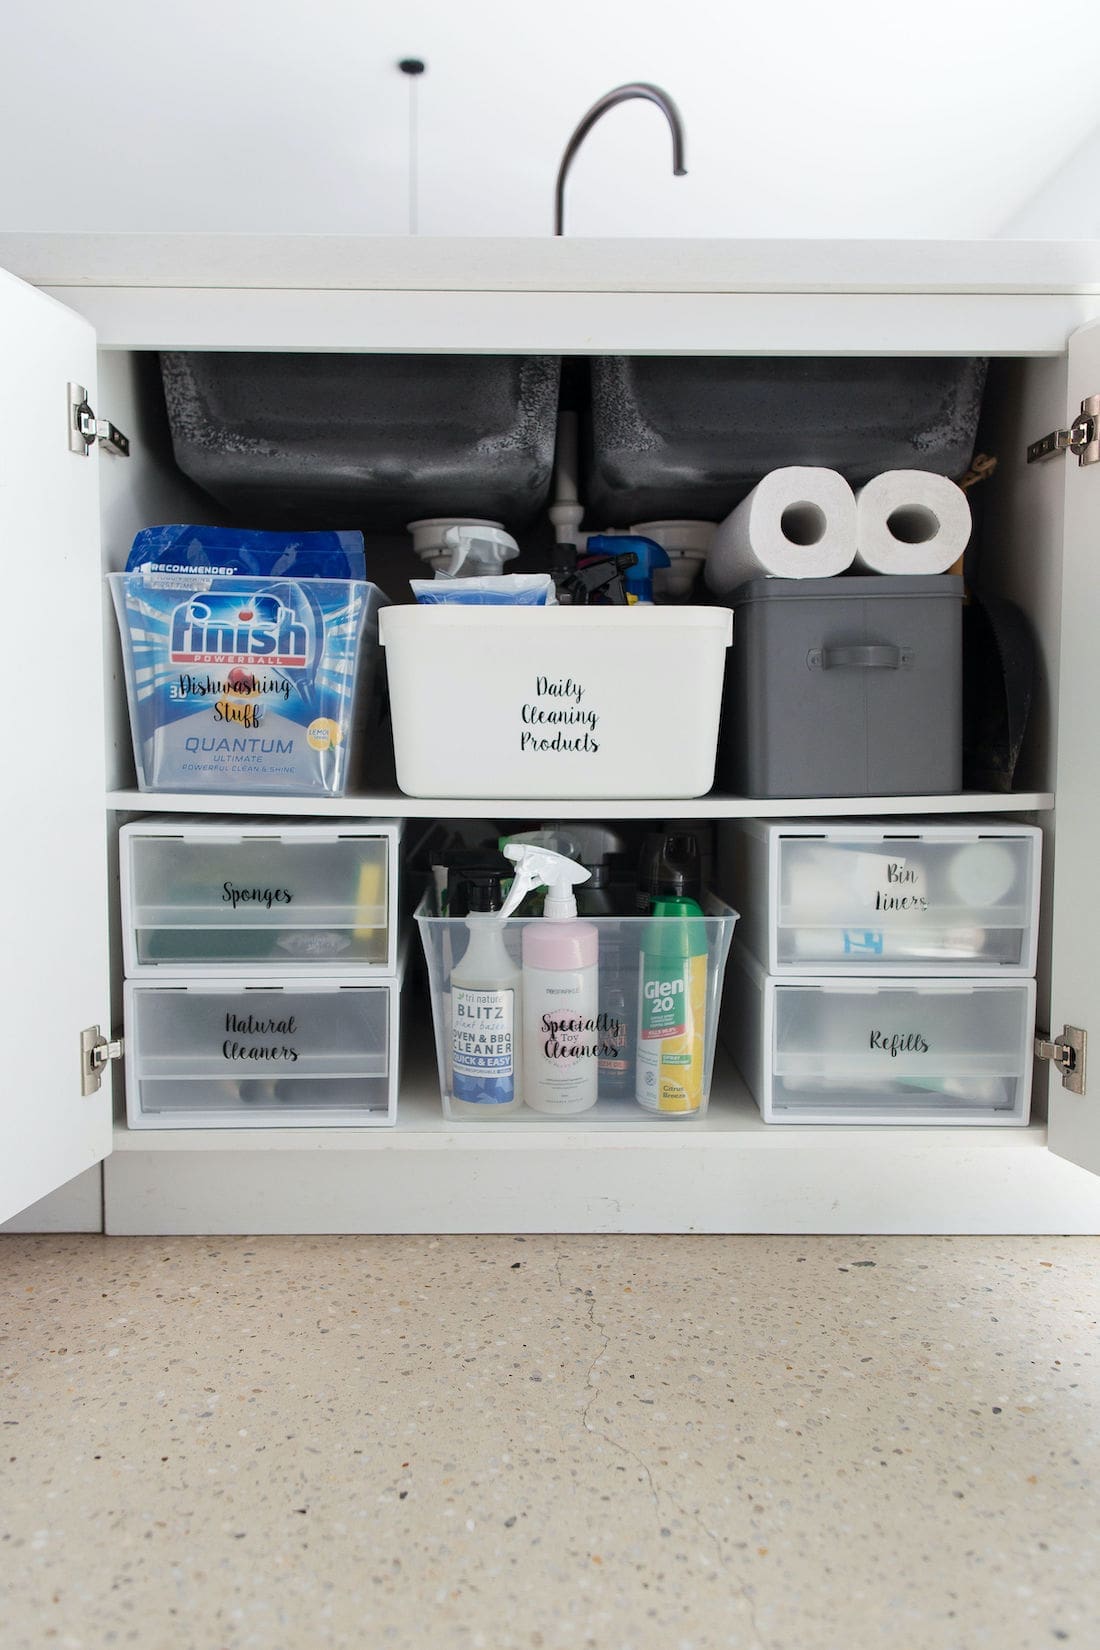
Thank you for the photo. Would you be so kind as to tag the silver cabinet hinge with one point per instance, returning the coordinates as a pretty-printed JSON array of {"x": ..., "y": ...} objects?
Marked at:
[
  {"x": 1082, "y": 438},
  {"x": 96, "y": 1052},
  {"x": 85, "y": 429},
  {"x": 1067, "y": 1052}
]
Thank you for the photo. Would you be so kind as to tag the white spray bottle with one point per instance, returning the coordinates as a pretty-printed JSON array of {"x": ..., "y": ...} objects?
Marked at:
[
  {"x": 484, "y": 1080},
  {"x": 561, "y": 1031}
]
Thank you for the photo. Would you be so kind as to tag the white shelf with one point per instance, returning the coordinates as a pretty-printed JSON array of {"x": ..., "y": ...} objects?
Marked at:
[
  {"x": 729, "y": 1172},
  {"x": 395, "y": 805}
]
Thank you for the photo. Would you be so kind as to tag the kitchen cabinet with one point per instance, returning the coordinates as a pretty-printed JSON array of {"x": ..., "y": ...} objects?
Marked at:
[{"x": 101, "y": 303}]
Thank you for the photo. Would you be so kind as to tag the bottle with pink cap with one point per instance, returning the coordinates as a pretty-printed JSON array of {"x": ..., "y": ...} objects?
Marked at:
[{"x": 562, "y": 1037}]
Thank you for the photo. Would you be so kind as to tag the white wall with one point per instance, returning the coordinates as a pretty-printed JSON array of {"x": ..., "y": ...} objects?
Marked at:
[
  {"x": 803, "y": 118},
  {"x": 1067, "y": 205}
]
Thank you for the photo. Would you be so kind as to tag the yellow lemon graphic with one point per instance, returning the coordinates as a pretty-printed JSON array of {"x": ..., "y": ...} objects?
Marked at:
[{"x": 323, "y": 734}]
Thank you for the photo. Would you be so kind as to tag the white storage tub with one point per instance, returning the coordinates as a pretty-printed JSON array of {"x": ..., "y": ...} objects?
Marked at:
[
  {"x": 210, "y": 897},
  {"x": 555, "y": 702},
  {"x": 895, "y": 897},
  {"x": 261, "y": 1053},
  {"x": 907, "y": 1051}
]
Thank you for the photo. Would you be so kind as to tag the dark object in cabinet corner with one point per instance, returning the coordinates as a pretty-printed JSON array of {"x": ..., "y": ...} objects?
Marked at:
[{"x": 999, "y": 659}]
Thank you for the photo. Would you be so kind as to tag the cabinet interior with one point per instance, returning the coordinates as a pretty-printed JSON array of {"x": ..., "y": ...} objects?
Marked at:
[{"x": 1020, "y": 505}]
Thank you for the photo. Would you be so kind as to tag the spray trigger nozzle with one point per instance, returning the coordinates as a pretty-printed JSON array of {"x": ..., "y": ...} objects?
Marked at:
[
  {"x": 542, "y": 868},
  {"x": 484, "y": 547}
]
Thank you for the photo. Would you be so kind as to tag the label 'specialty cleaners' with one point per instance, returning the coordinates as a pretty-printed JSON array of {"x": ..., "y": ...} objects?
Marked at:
[{"x": 562, "y": 1033}]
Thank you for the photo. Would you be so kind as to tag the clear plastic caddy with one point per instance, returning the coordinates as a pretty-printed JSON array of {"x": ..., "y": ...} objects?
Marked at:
[{"x": 613, "y": 1037}]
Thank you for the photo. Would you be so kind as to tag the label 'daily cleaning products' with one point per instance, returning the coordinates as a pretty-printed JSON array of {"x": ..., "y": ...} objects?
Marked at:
[
  {"x": 671, "y": 1026},
  {"x": 483, "y": 1066},
  {"x": 241, "y": 683}
]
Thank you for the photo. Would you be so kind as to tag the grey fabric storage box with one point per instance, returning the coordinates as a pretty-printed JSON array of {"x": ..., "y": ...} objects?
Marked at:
[{"x": 849, "y": 686}]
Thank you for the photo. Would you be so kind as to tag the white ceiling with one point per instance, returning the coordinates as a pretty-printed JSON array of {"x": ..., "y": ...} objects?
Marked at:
[{"x": 803, "y": 118}]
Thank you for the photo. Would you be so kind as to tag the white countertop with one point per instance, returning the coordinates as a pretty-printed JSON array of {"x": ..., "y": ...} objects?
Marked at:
[{"x": 552, "y": 265}]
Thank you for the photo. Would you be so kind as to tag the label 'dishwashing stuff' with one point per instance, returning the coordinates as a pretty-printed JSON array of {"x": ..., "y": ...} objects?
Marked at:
[
  {"x": 483, "y": 1068},
  {"x": 671, "y": 1026},
  {"x": 242, "y": 682}
]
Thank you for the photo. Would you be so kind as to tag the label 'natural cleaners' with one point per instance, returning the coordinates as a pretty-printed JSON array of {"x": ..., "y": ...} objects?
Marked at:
[{"x": 672, "y": 1005}]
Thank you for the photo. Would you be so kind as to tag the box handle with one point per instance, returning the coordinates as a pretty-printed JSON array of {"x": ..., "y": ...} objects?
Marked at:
[{"x": 859, "y": 657}]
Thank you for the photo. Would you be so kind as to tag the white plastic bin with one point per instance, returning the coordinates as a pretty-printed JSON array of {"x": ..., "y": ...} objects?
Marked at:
[
  {"x": 206, "y": 897},
  {"x": 892, "y": 897},
  {"x": 555, "y": 702},
  {"x": 620, "y": 946},
  {"x": 261, "y": 1053},
  {"x": 907, "y": 1051}
]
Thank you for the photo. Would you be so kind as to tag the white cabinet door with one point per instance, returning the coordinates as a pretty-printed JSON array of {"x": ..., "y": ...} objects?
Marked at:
[
  {"x": 1074, "y": 1130},
  {"x": 52, "y": 822}
]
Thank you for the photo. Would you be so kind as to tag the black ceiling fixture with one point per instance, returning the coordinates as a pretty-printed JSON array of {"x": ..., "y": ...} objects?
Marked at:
[{"x": 413, "y": 68}]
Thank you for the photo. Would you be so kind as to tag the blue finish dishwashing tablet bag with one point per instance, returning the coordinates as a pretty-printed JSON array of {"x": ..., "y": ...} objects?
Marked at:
[
  {"x": 182, "y": 549},
  {"x": 247, "y": 683}
]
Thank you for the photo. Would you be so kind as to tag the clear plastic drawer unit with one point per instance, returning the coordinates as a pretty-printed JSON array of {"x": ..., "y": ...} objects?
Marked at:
[
  {"x": 887, "y": 898},
  {"x": 204, "y": 898},
  {"x": 264, "y": 1054},
  {"x": 816, "y": 1050}
]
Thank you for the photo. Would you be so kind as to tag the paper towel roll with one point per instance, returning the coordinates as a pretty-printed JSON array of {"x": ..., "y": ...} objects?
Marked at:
[
  {"x": 798, "y": 523},
  {"x": 982, "y": 873},
  {"x": 910, "y": 521}
]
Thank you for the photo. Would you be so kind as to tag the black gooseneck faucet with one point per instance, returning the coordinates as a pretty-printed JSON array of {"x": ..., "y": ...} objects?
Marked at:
[{"x": 621, "y": 94}]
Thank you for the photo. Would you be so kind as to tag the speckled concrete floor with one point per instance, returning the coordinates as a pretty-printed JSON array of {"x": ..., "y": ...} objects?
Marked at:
[{"x": 610, "y": 1443}]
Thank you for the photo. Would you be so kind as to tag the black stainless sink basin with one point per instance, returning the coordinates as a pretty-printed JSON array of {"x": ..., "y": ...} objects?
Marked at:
[
  {"x": 365, "y": 440},
  {"x": 674, "y": 436}
]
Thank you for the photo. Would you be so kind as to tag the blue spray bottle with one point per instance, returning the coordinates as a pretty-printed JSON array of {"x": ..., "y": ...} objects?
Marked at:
[{"x": 637, "y": 580}]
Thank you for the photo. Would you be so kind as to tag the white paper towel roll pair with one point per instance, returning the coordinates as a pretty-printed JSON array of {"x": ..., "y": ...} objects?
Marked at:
[{"x": 805, "y": 522}]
